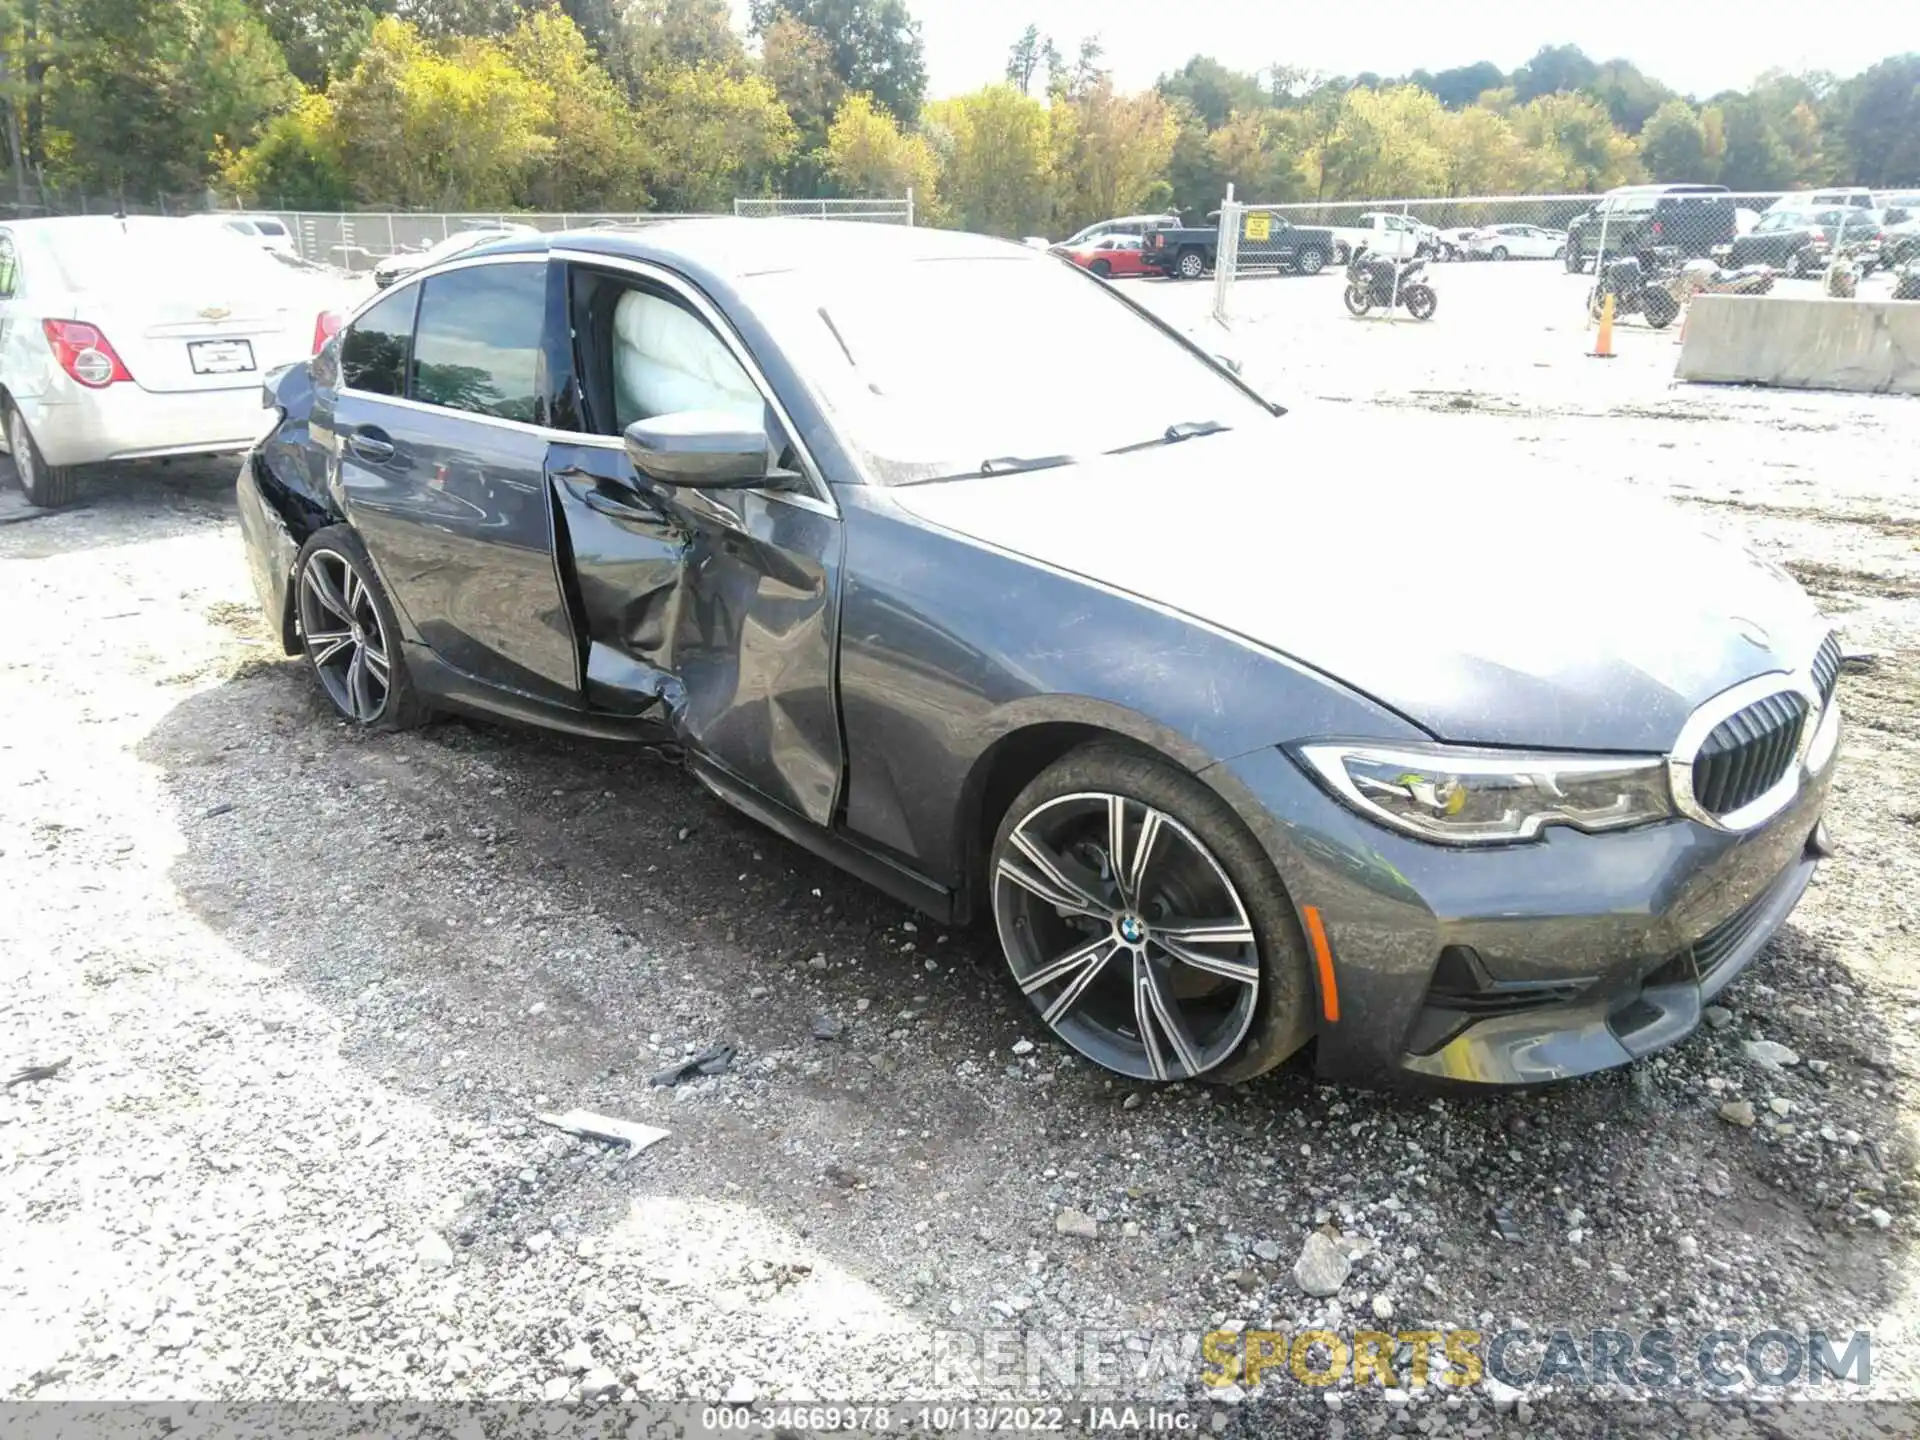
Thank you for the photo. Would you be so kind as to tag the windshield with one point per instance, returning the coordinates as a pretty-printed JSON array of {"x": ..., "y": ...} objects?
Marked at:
[
  {"x": 108, "y": 257},
  {"x": 940, "y": 368}
]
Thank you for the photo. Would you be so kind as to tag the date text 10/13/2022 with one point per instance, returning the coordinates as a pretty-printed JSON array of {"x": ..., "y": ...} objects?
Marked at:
[{"x": 959, "y": 1417}]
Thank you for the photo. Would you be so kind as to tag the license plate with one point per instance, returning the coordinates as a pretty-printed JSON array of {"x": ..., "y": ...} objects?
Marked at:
[{"x": 220, "y": 357}]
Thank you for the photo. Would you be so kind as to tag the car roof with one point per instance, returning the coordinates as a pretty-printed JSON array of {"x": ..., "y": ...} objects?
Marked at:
[
  {"x": 1669, "y": 190},
  {"x": 727, "y": 248}
]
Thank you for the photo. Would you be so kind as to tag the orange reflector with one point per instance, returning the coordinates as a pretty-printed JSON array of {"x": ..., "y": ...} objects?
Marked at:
[{"x": 1323, "y": 961}]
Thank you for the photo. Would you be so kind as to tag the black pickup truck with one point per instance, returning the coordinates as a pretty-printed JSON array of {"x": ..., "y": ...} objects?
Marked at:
[{"x": 1187, "y": 252}]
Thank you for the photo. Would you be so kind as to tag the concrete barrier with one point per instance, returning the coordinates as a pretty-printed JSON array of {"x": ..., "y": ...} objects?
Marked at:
[{"x": 1805, "y": 344}]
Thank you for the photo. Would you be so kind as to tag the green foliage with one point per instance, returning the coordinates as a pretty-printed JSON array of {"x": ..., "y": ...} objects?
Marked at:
[
  {"x": 1484, "y": 155},
  {"x": 798, "y": 63},
  {"x": 1383, "y": 143},
  {"x": 1024, "y": 59},
  {"x": 714, "y": 135},
  {"x": 876, "y": 45},
  {"x": 998, "y": 167},
  {"x": 1574, "y": 145},
  {"x": 320, "y": 38},
  {"x": 1214, "y": 91},
  {"x": 594, "y": 158},
  {"x": 1258, "y": 151},
  {"x": 144, "y": 93},
  {"x": 1878, "y": 115},
  {"x": 1109, "y": 151},
  {"x": 1463, "y": 85},
  {"x": 658, "y": 37},
  {"x": 1673, "y": 144},
  {"x": 439, "y": 129},
  {"x": 295, "y": 162},
  {"x": 1553, "y": 70},
  {"x": 866, "y": 154},
  {"x": 1630, "y": 97},
  {"x": 616, "y": 104}
]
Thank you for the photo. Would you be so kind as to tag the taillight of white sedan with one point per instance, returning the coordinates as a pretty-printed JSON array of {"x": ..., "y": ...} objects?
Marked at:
[{"x": 126, "y": 339}]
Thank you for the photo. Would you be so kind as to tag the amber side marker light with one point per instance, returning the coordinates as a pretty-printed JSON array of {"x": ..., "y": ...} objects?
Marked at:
[{"x": 1323, "y": 962}]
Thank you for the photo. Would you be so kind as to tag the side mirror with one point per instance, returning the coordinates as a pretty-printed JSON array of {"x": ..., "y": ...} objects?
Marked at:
[{"x": 700, "y": 449}]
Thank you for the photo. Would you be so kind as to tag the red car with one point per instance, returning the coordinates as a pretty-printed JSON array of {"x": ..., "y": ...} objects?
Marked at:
[{"x": 1108, "y": 256}]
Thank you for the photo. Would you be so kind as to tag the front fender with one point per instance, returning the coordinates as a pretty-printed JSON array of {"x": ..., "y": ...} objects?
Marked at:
[{"x": 951, "y": 648}]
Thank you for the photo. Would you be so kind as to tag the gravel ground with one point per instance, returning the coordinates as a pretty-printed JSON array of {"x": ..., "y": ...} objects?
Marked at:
[{"x": 314, "y": 987}]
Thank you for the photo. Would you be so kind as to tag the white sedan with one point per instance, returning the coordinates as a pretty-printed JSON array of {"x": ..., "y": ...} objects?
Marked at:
[
  {"x": 1518, "y": 242},
  {"x": 124, "y": 339},
  {"x": 267, "y": 230},
  {"x": 397, "y": 266}
]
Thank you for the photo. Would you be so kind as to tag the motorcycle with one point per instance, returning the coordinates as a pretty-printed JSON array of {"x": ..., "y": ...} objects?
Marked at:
[
  {"x": 1375, "y": 280},
  {"x": 1703, "y": 277},
  {"x": 1634, "y": 293},
  {"x": 1842, "y": 280}
]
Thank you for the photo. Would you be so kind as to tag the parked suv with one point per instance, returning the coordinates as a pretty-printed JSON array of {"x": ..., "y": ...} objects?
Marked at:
[{"x": 1638, "y": 219}]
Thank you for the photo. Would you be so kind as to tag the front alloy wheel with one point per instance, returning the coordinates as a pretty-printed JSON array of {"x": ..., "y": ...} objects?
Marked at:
[{"x": 1127, "y": 934}]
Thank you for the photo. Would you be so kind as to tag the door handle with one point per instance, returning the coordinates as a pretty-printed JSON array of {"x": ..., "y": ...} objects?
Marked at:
[
  {"x": 594, "y": 498},
  {"x": 371, "y": 444},
  {"x": 607, "y": 505}
]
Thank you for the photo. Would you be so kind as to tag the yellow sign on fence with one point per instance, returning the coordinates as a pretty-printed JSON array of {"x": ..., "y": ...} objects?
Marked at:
[{"x": 1259, "y": 225}]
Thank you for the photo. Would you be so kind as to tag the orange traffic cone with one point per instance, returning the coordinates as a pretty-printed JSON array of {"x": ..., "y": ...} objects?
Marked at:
[{"x": 1603, "y": 343}]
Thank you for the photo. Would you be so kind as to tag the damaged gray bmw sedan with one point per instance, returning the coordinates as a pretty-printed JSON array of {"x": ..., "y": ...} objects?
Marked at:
[{"x": 1110, "y": 664}]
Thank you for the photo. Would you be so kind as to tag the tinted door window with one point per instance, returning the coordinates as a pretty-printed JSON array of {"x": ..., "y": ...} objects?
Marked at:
[
  {"x": 477, "y": 347},
  {"x": 9, "y": 267},
  {"x": 373, "y": 354}
]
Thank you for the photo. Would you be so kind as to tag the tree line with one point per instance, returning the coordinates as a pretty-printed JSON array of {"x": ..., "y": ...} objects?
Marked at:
[{"x": 661, "y": 104}]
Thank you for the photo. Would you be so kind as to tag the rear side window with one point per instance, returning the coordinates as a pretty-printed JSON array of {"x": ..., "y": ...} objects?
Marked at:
[
  {"x": 373, "y": 353},
  {"x": 477, "y": 347},
  {"x": 9, "y": 266},
  {"x": 270, "y": 227}
]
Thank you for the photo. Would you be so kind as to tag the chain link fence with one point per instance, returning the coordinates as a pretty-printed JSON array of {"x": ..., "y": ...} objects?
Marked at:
[
  {"x": 1840, "y": 242},
  {"x": 355, "y": 241},
  {"x": 1506, "y": 302},
  {"x": 891, "y": 212}
]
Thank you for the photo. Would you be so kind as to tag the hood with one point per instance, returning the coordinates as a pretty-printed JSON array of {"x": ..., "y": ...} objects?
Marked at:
[{"x": 1485, "y": 611}]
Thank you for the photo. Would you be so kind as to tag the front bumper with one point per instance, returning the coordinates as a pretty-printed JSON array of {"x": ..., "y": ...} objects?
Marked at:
[
  {"x": 1519, "y": 964},
  {"x": 125, "y": 422}
]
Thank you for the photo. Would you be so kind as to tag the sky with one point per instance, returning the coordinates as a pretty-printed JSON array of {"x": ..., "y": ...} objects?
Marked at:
[{"x": 1690, "y": 45}]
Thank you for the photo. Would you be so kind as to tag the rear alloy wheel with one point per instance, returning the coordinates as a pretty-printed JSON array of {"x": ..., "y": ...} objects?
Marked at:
[
  {"x": 1660, "y": 308},
  {"x": 1192, "y": 265},
  {"x": 350, "y": 636},
  {"x": 1145, "y": 925},
  {"x": 1499, "y": 252},
  {"x": 44, "y": 485},
  {"x": 1311, "y": 261},
  {"x": 1561, "y": 253},
  {"x": 1574, "y": 264},
  {"x": 1342, "y": 254},
  {"x": 1101, "y": 268}
]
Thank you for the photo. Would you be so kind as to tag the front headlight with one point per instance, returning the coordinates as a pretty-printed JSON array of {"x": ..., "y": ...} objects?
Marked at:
[{"x": 1490, "y": 797}]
